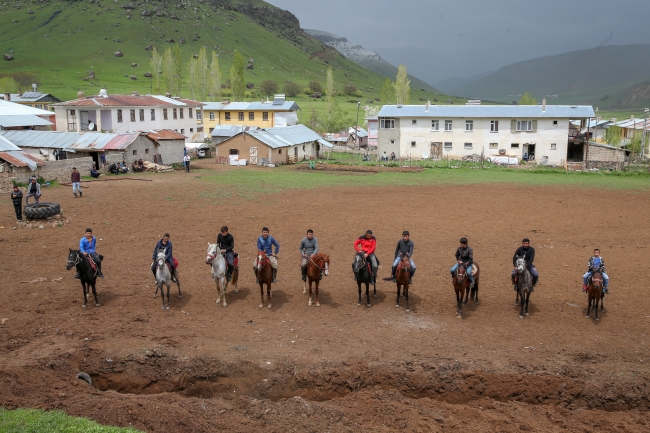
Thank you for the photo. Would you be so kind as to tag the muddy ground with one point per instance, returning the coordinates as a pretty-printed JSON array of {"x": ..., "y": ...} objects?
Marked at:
[{"x": 199, "y": 367}]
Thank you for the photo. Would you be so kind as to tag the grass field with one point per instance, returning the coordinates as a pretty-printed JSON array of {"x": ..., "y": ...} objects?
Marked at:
[{"x": 38, "y": 421}]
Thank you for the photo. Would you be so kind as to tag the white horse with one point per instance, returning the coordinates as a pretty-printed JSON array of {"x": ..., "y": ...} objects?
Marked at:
[
  {"x": 219, "y": 267},
  {"x": 163, "y": 278}
]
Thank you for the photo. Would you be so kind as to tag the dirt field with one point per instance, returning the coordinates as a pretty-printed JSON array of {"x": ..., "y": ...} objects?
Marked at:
[{"x": 199, "y": 367}]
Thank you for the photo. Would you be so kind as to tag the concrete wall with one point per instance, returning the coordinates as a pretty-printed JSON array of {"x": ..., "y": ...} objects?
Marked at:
[
  {"x": 62, "y": 170},
  {"x": 172, "y": 151},
  {"x": 242, "y": 143},
  {"x": 388, "y": 141}
]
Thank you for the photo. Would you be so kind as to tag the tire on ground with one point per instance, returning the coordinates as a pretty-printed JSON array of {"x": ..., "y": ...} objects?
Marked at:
[{"x": 41, "y": 210}]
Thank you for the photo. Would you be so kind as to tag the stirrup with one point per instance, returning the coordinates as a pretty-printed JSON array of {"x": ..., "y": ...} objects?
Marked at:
[
  {"x": 304, "y": 278},
  {"x": 77, "y": 277}
]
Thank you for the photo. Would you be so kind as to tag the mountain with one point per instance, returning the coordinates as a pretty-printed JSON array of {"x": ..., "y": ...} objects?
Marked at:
[
  {"x": 364, "y": 57},
  {"x": 70, "y": 46},
  {"x": 598, "y": 76},
  {"x": 450, "y": 84}
]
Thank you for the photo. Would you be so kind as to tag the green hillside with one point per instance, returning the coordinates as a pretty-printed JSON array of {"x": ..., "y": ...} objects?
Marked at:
[
  {"x": 60, "y": 42},
  {"x": 599, "y": 76}
]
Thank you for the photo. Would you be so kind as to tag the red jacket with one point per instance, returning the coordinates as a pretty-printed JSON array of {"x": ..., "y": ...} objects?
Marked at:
[{"x": 367, "y": 245}]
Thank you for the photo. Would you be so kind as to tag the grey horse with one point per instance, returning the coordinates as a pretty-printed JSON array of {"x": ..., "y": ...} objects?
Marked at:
[
  {"x": 524, "y": 285},
  {"x": 163, "y": 278},
  {"x": 219, "y": 267}
]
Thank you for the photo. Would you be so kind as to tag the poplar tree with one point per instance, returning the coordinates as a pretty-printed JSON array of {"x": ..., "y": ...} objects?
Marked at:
[
  {"x": 156, "y": 63},
  {"x": 237, "y": 77},
  {"x": 215, "y": 77},
  {"x": 402, "y": 86}
]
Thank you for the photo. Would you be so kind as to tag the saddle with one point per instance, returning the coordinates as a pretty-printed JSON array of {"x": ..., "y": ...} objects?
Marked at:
[
  {"x": 235, "y": 259},
  {"x": 175, "y": 261}
]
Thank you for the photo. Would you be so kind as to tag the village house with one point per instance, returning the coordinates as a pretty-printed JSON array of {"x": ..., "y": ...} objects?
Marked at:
[
  {"x": 34, "y": 99},
  {"x": 451, "y": 131},
  {"x": 130, "y": 113},
  {"x": 269, "y": 114},
  {"x": 16, "y": 164},
  {"x": 15, "y": 116},
  {"x": 373, "y": 131},
  {"x": 223, "y": 132},
  {"x": 632, "y": 129},
  {"x": 273, "y": 145}
]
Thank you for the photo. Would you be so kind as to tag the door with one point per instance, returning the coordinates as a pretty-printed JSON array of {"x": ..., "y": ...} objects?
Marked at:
[
  {"x": 436, "y": 150},
  {"x": 253, "y": 156}
]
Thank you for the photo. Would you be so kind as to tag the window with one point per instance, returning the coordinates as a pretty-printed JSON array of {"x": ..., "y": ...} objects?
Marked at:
[
  {"x": 191, "y": 129},
  {"x": 227, "y": 114},
  {"x": 211, "y": 129},
  {"x": 211, "y": 115},
  {"x": 553, "y": 146},
  {"x": 39, "y": 106},
  {"x": 72, "y": 119},
  {"x": 468, "y": 145},
  {"x": 392, "y": 142},
  {"x": 233, "y": 152},
  {"x": 153, "y": 114},
  {"x": 413, "y": 144},
  {"x": 555, "y": 122},
  {"x": 146, "y": 151},
  {"x": 141, "y": 115},
  {"x": 135, "y": 152},
  {"x": 447, "y": 145},
  {"x": 494, "y": 126},
  {"x": 174, "y": 113},
  {"x": 132, "y": 115},
  {"x": 524, "y": 125},
  {"x": 387, "y": 123},
  {"x": 164, "y": 114},
  {"x": 435, "y": 125},
  {"x": 119, "y": 115},
  {"x": 251, "y": 115},
  {"x": 469, "y": 125},
  {"x": 182, "y": 131},
  {"x": 494, "y": 145},
  {"x": 515, "y": 145},
  {"x": 448, "y": 125},
  {"x": 240, "y": 115},
  {"x": 280, "y": 151},
  {"x": 181, "y": 110},
  {"x": 265, "y": 115},
  {"x": 200, "y": 129},
  {"x": 414, "y": 122},
  {"x": 198, "y": 115},
  {"x": 190, "y": 111}
]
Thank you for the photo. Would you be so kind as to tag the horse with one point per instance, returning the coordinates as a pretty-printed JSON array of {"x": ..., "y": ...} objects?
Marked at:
[
  {"x": 264, "y": 275},
  {"x": 219, "y": 268},
  {"x": 595, "y": 291},
  {"x": 524, "y": 282},
  {"x": 87, "y": 274},
  {"x": 361, "y": 268},
  {"x": 461, "y": 284},
  {"x": 317, "y": 264},
  {"x": 402, "y": 276},
  {"x": 163, "y": 278}
]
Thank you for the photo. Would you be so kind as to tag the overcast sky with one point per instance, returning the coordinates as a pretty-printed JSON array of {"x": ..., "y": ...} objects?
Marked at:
[{"x": 438, "y": 39}]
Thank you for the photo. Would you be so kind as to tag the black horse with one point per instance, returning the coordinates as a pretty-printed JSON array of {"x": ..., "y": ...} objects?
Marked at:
[
  {"x": 362, "y": 272},
  {"x": 87, "y": 274}
]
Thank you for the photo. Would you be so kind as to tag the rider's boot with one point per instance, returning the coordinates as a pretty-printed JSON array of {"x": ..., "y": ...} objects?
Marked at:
[
  {"x": 229, "y": 273},
  {"x": 77, "y": 276},
  {"x": 373, "y": 277},
  {"x": 534, "y": 284},
  {"x": 275, "y": 273},
  {"x": 392, "y": 274},
  {"x": 304, "y": 273},
  {"x": 411, "y": 276},
  {"x": 99, "y": 270},
  {"x": 606, "y": 289},
  {"x": 174, "y": 275},
  {"x": 75, "y": 194}
]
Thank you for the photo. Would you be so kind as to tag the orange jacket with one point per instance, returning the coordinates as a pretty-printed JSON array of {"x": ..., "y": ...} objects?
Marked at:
[{"x": 367, "y": 245}]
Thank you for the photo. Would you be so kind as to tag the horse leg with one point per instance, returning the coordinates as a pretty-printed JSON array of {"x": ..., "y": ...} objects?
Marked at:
[
  {"x": 224, "y": 284},
  {"x": 178, "y": 283},
  {"x": 398, "y": 292},
  {"x": 317, "y": 303},
  {"x": 527, "y": 301},
  {"x": 235, "y": 277},
  {"x": 406, "y": 295},
  {"x": 523, "y": 302},
  {"x": 216, "y": 283},
  {"x": 517, "y": 298},
  {"x": 310, "y": 281},
  {"x": 261, "y": 295},
  {"x": 459, "y": 303},
  {"x": 466, "y": 295},
  {"x": 93, "y": 286},
  {"x": 169, "y": 286},
  {"x": 602, "y": 302},
  {"x": 162, "y": 293},
  {"x": 269, "y": 293},
  {"x": 85, "y": 290},
  {"x": 596, "y": 308},
  {"x": 368, "y": 294},
  {"x": 475, "y": 291},
  {"x": 588, "y": 306},
  {"x": 304, "y": 286},
  {"x": 359, "y": 285}
]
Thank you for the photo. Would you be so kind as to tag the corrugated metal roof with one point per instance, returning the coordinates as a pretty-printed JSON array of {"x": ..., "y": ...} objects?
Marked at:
[
  {"x": 28, "y": 96},
  {"x": 632, "y": 124},
  {"x": 8, "y": 108},
  {"x": 21, "y": 159},
  {"x": 128, "y": 101},
  {"x": 285, "y": 136},
  {"x": 250, "y": 106},
  {"x": 22, "y": 120},
  {"x": 230, "y": 130},
  {"x": 6, "y": 145},
  {"x": 90, "y": 141},
  {"x": 164, "y": 134},
  {"x": 121, "y": 141},
  {"x": 489, "y": 111}
]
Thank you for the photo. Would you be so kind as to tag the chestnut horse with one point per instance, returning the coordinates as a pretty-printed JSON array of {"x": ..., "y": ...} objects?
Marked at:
[
  {"x": 595, "y": 291},
  {"x": 264, "y": 275},
  {"x": 317, "y": 265},
  {"x": 402, "y": 276},
  {"x": 461, "y": 285}
]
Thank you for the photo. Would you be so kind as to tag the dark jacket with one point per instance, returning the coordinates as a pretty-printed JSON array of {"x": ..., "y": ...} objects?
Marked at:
[
  {"x": 528, "y": 255},
  {"x": 591, "y": 264},
  {"x": 17, "y": 197},
  {"x": 167, "y": 248},
  {"x": 75, "y": 176},
  {"x": 226, "y": 242},
  {"x": 404, "y": 248},
  {"x": 465, "y": 255}
]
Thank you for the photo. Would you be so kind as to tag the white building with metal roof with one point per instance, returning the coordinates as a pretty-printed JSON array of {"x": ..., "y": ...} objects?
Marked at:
[{"x": 454, "y": 131}]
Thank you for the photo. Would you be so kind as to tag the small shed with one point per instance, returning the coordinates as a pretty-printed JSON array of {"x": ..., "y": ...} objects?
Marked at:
[
  {"x": 221, "y": 133},
  {"x": 17, "y": 163}
]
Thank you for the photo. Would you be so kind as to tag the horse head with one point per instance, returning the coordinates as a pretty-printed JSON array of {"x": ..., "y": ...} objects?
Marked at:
[
  {"x": 262, "y": 258},
  {"x": 520, "y": 264},
  {"x": 405, "y": 262},
  {"x": 73, "y": 259},
  {"x": 160, "y": 259},
  {"x": 359, "y": 261},
  {"x": 322, "y": 261},
  {"x": 326, "y": 263},
  {"x": 212, "y": 252},
  {"x": 461, "y": 273},
  {"x": 597, "y": 279}
]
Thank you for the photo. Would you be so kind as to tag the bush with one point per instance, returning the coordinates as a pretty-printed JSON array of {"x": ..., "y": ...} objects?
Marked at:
[
  {"x": 349, "y": 89},
  {"x": 269, "y": 87},
  {"x": 315, "y": 86},
  {"x": 291, "y": 89},
  {"x": 307, "y": 91},
  {"x": 358, "y": 93}
]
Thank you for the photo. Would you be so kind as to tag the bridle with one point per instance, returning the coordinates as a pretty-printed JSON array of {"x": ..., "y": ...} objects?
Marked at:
[
  {"x": 76, "y": 261},
  {"x": 460, "y": 275},
  {"x": 362, "y": 260},
  {"x": 324, "y": 267},
  {"x": 211, "y": 256}
]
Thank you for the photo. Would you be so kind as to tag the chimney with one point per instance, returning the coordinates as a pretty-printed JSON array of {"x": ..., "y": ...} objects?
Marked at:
[
  {"x": 225, "y": 101},
  {"x": 7, "y": 96},
  {"x": 80, "y": 95},
  {"x": 544, "y": 104},
  {"x": 169, "y": 95},
  {"x": 428, "y": 103}
]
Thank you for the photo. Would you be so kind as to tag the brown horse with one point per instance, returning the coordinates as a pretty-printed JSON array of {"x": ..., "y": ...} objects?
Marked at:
[
  {"x": 264, "y": 275},
  {"x": 317, "y": 265},
  {"x": 402, "y": 276},
  {"x": 595, "y": 291},
  {"x": 461, "y": 285}
]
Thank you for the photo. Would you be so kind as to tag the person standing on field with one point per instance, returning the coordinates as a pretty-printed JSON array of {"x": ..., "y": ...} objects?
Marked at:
[
  {"x": 17, "y": 199},
  {"x": 75, "y": 178},
  {"x": 186, "y": 160}
]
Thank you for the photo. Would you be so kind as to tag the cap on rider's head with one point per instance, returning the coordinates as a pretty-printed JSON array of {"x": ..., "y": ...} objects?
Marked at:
[
  {"x": 369, "y": 232},
  {"x": 89, "y": 230},
  {"x": 405, "y": 233},
  {"x": 525, "y": 241},
  {"x": 463, "y": 241}
]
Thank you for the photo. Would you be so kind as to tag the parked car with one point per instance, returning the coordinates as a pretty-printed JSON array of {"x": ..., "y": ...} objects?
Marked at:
[{"x": 200, "y": 153}]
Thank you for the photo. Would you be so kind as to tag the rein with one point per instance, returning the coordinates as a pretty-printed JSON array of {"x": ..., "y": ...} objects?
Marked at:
[
  {"x": 76, "y": 261},
  {"x": 316, "y": 264}
]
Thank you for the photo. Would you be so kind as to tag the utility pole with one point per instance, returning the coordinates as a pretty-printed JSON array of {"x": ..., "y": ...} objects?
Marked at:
[
  {"x": 645, "y": 119},
  {"x": 596, "y": 127},
  {"x": 356, "y": 131}
]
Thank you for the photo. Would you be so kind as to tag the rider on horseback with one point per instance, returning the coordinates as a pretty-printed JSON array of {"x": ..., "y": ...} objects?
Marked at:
[
  {"x": 308, "y": 247},
  {"x": 464, "y": 255},
  {"x": 165, "y": 245},
  {"x": 265, "y": 243},
  {"x": 404, "y": 248},
  {"x": 227, "y": 245},
  {"x": 596, "y": 263},
  {"x": 367, "y": 244},
  {"x": 87, "y": 246},
  {"x": 528, "y": 253}
]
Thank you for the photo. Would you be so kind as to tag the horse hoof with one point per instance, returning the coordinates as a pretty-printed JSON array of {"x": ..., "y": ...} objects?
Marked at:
[
  {"x": 587, "y": 316},
  {"x": 521, "y": 317},
  {"x": 218, "y": 301},
  {"x": 167, "y": 307},
  {"x": 261, "y": 305},
  {"x": 83, "y": 306},
  {"x": 396, "y": 305},
  {"x": 304, "y": 292},
  {"x": 318, "y": 304},
  {"x": 225, "y": 305},
  {"x": 408, "y": 311},
  {"x": 309, "y": 303},
  {"x": 97, "y": 305},
  {"x": 597, "y": 319},
  {"x": 162, "y": 308},
  {"x": 358, "y": 304},
  {"x": 516, "y": 304},
  {"x": 375, "y": 295},
  {"x": 527, "y": 314},
  {"x": 180, "y": 296},
  {"x": 269, "y": 306},
  {"x": 155, "y": 296},
  {"x": 236, "y": 290},
  {"x": 368, "y": 305}
]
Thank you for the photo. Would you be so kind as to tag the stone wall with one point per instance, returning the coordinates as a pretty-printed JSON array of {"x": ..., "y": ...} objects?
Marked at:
[
  {"x": 62, "y": 169},
  {"x": 6, "y": 183}
]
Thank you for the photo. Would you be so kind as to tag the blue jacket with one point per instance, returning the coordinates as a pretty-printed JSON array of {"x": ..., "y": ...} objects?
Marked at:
[
  {"x": 87, "y": 246},
  {"x": 167, "y": 248},
  {"x": 266, "y": 245}
]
